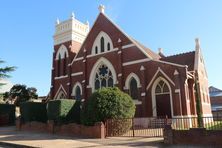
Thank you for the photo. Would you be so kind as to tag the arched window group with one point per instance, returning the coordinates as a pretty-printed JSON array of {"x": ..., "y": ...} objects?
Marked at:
[
  {"x": 61, "y": 57},
  {"x": 102, "y": 43},
  {"x": 103, "y": 77}
]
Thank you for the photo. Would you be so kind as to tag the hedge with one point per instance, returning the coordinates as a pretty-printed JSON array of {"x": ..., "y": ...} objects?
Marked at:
[
  {"x": 7, "y": 112},
  {"x": 64, "y": 111},
  {"x": 33, "y": 111}
]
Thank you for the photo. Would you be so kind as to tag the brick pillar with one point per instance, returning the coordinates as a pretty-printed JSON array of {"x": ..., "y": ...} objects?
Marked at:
[
  {"x": 53, "y": 75},
  {"x": 119, "y": 71},
  {"x": 18, "y": 123},
  {"x": 84, "y": 83},
  {"x": 168, "y": 134},
  {"x": 50, "y": 126},
  {"x": 143, "y": 90},
  {"x": 177, "y": 95},
  {"x": 192, "y": 96}
]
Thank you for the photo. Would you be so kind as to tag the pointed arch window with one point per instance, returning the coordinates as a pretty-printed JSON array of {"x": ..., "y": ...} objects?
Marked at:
[
  {"x": 64, "y": 65},
  {"x": 78, "y": 93},
  {"x": 102, "y": 44},
  {"x": 133, "y": 90},
  {"x": 162, "y": 88},
  {"x": 59, "y": 65},
  {"x": 61, "y": 95},
  {"x": 108, "y": 47},
  {"x": 103, "y": 77},
  {"x": 96, "y": 50}
]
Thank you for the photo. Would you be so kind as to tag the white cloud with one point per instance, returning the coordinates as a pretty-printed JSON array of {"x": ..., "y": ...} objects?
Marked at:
[{"x": 8, "y": 85}]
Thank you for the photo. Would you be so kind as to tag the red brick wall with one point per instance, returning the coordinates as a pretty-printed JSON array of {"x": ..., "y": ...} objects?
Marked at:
[
  {"x": 72, "y": 129},
  {"x": 192, "y": 136}
]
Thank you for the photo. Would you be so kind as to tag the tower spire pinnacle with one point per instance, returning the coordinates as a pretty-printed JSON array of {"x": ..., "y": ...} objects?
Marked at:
[
  {"x": 57, "y": 21},
  {"x": 197, "y": 41},
  {"x": 72, "y": 15}
]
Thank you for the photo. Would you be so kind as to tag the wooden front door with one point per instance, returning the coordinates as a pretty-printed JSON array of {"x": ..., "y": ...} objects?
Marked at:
[{"x": 163, "y": 107}]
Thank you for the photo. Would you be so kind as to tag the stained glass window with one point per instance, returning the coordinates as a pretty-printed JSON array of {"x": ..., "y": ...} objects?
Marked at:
[
  {"x": 103, "y": 77},
  {"x": 133, "y": 90}
]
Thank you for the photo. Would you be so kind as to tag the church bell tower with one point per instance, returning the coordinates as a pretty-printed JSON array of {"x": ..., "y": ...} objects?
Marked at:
[{"x": 68, "y": 38}]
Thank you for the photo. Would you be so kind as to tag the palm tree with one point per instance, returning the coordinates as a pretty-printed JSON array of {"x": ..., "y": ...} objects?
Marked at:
[{"x": 5, "y": 70}]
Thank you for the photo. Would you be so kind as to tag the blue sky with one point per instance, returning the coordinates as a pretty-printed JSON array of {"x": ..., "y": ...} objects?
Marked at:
[{"x": 27, "y": 27}]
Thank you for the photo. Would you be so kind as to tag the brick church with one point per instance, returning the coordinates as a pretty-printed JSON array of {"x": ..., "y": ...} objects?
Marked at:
[{"x": 86, "y": 59}]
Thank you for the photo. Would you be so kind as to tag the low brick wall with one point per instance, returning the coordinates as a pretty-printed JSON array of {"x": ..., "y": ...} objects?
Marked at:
[
  {"x": 4, "y": 119},
  {"x": 72, "y": 129},
  {"x": 192, "y": 136}
]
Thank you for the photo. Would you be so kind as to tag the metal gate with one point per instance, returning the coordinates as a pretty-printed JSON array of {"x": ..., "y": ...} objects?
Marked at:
[{"x": 136, "y": 127}]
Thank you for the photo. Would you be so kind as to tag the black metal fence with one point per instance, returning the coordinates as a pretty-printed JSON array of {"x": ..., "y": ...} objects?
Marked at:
[
  {"x": 210, "y": 123},
  {"x": 153, "y": 127}
]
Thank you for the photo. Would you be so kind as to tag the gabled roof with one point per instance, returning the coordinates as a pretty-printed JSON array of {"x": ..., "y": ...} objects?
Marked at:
[
  {"x": 183, "y": 59},
  {"x": 215, "y": 92},
  {"x": 147, "y": 50}
]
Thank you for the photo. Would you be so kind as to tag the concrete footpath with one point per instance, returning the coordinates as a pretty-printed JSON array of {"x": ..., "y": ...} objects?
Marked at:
[{"x": 9, "y": 137}]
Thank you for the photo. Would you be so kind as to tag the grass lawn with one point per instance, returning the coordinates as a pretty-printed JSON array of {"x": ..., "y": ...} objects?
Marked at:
[{"x": 216, "y": 125}]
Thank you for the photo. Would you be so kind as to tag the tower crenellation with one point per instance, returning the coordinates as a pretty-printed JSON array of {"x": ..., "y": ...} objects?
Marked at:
[{"x": 71, "y": 29}]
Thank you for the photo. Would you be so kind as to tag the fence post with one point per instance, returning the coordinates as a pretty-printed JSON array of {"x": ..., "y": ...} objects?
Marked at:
[
  {"x": 106, "y": 126},
  {"x": 166, "y": 120},
  {"x": 133, "y": 127}
]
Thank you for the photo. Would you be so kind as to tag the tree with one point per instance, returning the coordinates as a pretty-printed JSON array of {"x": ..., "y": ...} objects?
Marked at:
[
  {"x": 107, "y": 103},
  {"x": 20, "y": 93}
]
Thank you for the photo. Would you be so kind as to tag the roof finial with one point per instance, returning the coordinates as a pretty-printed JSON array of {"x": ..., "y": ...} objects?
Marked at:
[
  {"x": 101, "y": 8},
  {"x": 160, "y": 50},
  {"x": 197, "y": 43},
  {"x": 72, "y": 15},
  {"x": 57, "y": 21}
]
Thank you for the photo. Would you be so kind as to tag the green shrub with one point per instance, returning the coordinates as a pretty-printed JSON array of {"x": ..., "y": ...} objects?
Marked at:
[
  {"x": 8, "y": 110},
  {"x": 33, "y": 111},
  {"x": 74, "y": 113},
  {"x": 64, "y": 111},
  {"x": 107, "y": 103}
]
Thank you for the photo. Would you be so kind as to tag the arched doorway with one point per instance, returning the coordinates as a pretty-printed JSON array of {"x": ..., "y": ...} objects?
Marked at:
[{"x": 162, "y": 99}]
